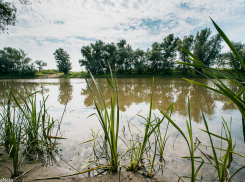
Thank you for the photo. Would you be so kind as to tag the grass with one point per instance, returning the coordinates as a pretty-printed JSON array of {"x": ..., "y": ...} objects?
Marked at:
[
  {"x": 137, "y": 149},
  {"x": 109, "y": 120},
  {"x": 11, "y": 135},
  {"x": 190, "y": 144},
  {"x": 162, "y": 141},
  {"x": 46, "y": 72},
  {"x": 234, "y": 78},
  {"x": 26, "y": 126},
  {"x": 26, "y": 121}
]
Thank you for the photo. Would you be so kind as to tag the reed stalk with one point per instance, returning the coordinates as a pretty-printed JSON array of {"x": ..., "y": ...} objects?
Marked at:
[
  {"x": 11, "y": 127},
  {"x": 137, "y": 148},
  {"x": 162, "y": 141},
  {"x": 234, "y": 78},
  {"x": 109, "y": 120},
  {"x": 190, "y": 145}
]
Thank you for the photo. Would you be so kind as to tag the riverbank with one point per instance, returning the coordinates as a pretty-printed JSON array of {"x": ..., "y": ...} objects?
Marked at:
[
  {"x": 37, "y": 171},
  {"x": 46, "y": 74}
]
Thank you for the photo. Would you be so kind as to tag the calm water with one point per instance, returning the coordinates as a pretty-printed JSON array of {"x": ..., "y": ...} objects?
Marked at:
[{"x": 134, "y": 98}]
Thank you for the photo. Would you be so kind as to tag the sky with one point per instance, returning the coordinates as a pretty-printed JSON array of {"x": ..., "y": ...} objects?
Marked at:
[{"x": 46, "y": 25}]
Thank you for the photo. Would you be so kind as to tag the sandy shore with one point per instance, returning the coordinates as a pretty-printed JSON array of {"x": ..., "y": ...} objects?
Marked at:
[{"x": 36, "y": 171}]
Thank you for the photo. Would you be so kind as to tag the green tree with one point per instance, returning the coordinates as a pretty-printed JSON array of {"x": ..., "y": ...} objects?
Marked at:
[
  {"x": 98, "y": 55},
  {"x": 9, "y": 60},
  {"x": 225, "y": 58},
  {"x": 7, "y": 15},
  {"x": 162, "y": 55},
  {"x": 88, "y": 61},
  {"x": 40, "y": 64},
  {"x": 154, "y": 56},
  {"x": 110, "y": 52},
  {"x": 206, "y": 48},
  {"x": 168, "y": 48},
  {"x": 15, "y": 62},
  {"x": 25, "y": 68},
  {"x": 124, "y": 57},
  {"x": 140, "y": 61},
  {"x": 187, "y": 43},
  {"x": 62, "y": 60},
  {"x": 94, "y": 57}
]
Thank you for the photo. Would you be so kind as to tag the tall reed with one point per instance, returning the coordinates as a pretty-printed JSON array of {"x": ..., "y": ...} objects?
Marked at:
[
  {"x": 109, "y": 120},
  {"x": 190, "y": 144},
  {"x": 162, "y": 141},
  {"x": 234, "y": 78},
  {"x": 6, "y": 124},
  {"x": 137, "y": 148},
  {"x": 35, "y": 121},
  {"x": 11, "y": 132},
  {"x": 24, "y": 124},
  {"x": 222, "y": 164}
]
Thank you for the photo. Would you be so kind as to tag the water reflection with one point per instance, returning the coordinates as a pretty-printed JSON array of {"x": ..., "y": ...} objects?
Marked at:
[
  {"x": 165, "y": 92},
  {"x": 66, "y": 89},
  {"x": 131, "y": 91},
  {"x": 134, "y": 95},
  {"x": 20, "y": 86}
]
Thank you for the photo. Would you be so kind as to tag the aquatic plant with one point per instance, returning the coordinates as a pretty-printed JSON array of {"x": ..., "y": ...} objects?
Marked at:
[
  {"x": 190, "y": 144},
  {"x": 234, "y": 78},
  {"x": 25, "y": 125},
  {"x": 162, "y": 141},
  {"x": 11, "y": 133},
  {"x": 109, "y": 120},
  {"x": 37, "y": 125},
  {"x": 137, "y": 148},
  {"x": 221, "y": 164}
]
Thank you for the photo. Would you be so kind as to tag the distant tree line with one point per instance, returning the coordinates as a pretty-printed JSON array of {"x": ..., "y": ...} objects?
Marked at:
[
  {"x": 15, "y": 62},
  {"x": 160, "y": 59}
]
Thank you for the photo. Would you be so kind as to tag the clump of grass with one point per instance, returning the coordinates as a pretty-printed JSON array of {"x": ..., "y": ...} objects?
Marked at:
[
  {"x": 234, "y": 78},
  {"x": 6, "y": 124},
  {"x": 37, "y": 125},
  {"x": 190, "y": 144},
  {"x": 221, "y": 164},
  {"x": 109, "y": 120},
  {"x": 162, "y": 141},
  {"x": 137, "y": 148},
  {"x": 11, "y": 135},
  {"x": 25, "y": 125}
]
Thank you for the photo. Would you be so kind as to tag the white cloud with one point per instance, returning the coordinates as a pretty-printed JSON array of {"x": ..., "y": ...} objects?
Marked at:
[{"x": 46, "y": 26}]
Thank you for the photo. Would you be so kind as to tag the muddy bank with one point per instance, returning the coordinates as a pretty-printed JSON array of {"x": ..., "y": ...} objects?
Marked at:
[{"x": 37, "y": 171}]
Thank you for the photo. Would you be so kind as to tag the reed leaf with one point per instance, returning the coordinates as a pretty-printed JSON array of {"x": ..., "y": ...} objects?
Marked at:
[{"x": 237, "y": 99}]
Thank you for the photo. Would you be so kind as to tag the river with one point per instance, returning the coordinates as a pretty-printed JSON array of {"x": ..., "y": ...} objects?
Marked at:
[{"x": 74, "y": 96}]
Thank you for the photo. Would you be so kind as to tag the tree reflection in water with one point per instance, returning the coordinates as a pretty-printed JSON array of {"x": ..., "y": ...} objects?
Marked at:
[
  {"x": 20, "y": 86},
  {"x": 166, "y": 91},
  {"x": 66, "y": 89}
]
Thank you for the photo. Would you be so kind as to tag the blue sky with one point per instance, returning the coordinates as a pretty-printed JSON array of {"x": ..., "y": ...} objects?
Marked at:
[{"x": 46, "y": 26}]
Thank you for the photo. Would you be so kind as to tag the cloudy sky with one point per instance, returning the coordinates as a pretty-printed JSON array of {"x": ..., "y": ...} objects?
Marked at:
[{"x": 45, "y": 26}]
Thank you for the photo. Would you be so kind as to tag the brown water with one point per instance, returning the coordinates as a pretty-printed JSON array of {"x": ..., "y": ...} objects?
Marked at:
[{"x": 134, "y": 98}]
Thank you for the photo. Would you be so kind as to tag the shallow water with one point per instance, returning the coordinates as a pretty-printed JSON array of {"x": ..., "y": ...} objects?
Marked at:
[{"x": 134, "y": 98}]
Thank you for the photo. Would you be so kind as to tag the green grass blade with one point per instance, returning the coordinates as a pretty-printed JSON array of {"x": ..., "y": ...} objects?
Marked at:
[{"x": 225, "y": 38}]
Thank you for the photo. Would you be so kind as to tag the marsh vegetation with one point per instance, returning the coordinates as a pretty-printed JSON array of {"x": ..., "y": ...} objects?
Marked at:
[{"x": 26, "y": 126}]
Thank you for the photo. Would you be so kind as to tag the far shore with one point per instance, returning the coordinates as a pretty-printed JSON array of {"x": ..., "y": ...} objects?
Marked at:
[{"x": 61, "y": 75}]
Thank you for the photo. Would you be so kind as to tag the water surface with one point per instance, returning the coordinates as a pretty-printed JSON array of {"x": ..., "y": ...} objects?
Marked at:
[{"x": 134, "y": 98}]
